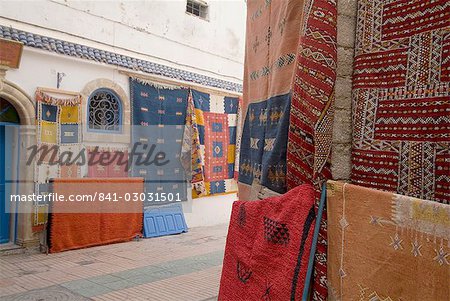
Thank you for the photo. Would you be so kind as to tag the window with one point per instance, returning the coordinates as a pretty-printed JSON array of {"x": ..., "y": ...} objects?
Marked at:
[
  {"x": 197, "y": 8},
  {"x": 104, "y": 111},
  {"x": 7, "y": 112}
]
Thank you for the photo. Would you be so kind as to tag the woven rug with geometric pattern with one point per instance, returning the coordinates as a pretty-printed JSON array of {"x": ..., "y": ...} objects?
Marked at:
[
  {"x": 401, "y": 88},
  {"x": 386, "y": 246}
]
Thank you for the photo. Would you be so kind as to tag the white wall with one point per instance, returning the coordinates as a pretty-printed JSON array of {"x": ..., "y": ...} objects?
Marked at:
[
  {"x": 160, "y": 31},
  {"x": 38, "y": 68},
  {"x": 209, "y": 211}
]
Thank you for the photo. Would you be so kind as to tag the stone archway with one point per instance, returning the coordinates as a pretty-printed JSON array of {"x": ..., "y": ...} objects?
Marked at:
[
  {"x": 122, "y": 138},
  {"x": 25, "y": 107},
  {"x": 23, "y": 103}
]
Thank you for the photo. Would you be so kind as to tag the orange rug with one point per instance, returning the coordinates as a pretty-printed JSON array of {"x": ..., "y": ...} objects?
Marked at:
[
  {"x": 100, "y": 221},
  {"x": 385, "y": 246}
]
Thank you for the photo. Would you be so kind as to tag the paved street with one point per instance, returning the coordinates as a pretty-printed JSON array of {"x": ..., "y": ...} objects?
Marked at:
[{"x": 178, "y": 267}]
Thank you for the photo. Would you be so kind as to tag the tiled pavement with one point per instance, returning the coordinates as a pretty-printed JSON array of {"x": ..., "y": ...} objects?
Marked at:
[{"x": 180, "y": 267}]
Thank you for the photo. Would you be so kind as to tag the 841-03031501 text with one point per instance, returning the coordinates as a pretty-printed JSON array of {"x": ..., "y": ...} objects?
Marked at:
[{"x": 143, "y": 197}]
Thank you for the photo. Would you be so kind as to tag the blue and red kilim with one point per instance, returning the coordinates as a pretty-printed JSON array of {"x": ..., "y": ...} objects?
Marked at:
[{"x": 216, "y": 121}]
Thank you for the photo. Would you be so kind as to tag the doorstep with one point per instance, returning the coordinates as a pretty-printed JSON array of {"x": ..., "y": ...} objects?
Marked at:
[{"x": 11, "y": 248}]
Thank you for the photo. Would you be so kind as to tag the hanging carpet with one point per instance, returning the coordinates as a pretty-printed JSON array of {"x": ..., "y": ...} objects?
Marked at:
[
  {"x": 214, "y": 128},
  {"x": 158, "y": 118},
  {"x": 59, "y": 132},
  {"x": 288, "y": 104},
  {"x": 401, "y": 92}
]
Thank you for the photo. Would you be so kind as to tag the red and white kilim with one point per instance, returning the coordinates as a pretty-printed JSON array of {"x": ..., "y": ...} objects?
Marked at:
[
  {"x": 401, "y": 98},
  {"x": 311, "y": 115}
]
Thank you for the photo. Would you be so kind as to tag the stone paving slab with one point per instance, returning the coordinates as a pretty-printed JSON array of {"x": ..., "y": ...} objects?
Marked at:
[
  {"x": 180, "y": 267},
  {"x": 50, "y": 293}
]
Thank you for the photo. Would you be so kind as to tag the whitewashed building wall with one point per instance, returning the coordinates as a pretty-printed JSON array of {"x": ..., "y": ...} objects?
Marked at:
[{"x": 155, "y": 31}]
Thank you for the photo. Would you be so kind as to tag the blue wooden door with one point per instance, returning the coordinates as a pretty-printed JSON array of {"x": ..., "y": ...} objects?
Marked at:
[
  {"x": 9, "y": 121},
  {"x": 6, "y": 142},
  {"x": 4, "y": 216}
]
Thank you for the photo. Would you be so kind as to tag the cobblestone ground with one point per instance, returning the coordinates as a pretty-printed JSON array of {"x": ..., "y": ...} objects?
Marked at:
[{"x": 178, "y": 267}]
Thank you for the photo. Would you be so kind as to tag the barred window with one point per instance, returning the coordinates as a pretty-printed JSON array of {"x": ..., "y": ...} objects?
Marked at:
[
  {"x": 197, "y": 8},
  {"x": 104, "y": 111}
]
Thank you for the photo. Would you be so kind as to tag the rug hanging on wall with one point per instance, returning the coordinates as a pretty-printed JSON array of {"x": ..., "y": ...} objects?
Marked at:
[
  {"x": 239, "y": 129},
  {"x": 58, "y": 130},
  {"x": 116, "y": 165},
  {"x": 214, "y": 150},
  {"x": 401, "y": 88},
  {"x": 268, "y": 247},
  {"x": 385, "y": 246},
  {"x": 190, "y": 151},
  {"x": 158, "y": 118},
  {"x": 72, "y": 225}
]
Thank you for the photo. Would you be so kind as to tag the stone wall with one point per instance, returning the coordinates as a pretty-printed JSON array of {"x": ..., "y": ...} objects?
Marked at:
[{"x": 342, "y": 131}]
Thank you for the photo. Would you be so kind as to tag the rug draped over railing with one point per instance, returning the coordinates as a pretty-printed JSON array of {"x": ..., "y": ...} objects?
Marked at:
[
  {"x": 385, "y": 246},
  {"x": 268, "y": 247}
]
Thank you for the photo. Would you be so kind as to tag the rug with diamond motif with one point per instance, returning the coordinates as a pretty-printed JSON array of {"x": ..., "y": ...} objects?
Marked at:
[
  {"x": 214, "y": 121},
  {"x": 59, "y": 131}
]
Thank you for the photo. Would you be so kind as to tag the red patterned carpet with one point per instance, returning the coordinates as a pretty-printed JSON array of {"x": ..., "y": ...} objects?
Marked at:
[{"x": 401, "y": 89}]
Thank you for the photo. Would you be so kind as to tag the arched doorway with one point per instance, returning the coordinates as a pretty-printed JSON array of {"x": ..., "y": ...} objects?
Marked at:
[
  {"x": 9, "y": 156},
  {"x": 20, "y": 103}
]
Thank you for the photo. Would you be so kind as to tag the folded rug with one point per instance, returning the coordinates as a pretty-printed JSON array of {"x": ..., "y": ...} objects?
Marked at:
[
  {"x": 268, "y": 247},
  {"x": 75, "y": 225},
  {"x": 385, "y": 246}
]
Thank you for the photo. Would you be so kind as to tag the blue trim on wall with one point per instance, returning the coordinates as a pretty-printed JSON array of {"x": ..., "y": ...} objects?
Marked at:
[{"x": 94, "y": 54}]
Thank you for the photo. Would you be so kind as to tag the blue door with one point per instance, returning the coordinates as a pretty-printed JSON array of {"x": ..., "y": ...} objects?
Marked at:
[
  {"x": 9, "y": 119},
  {"x": 5, "y": 151},
  {"x": 8, "y": 137}
]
